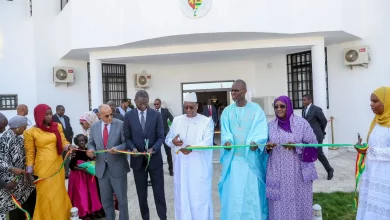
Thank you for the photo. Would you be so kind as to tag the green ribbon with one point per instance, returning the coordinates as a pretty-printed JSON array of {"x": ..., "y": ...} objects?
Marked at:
[
  {"x": 218, "y": 147},
  {"x": 262, "y": 145}
]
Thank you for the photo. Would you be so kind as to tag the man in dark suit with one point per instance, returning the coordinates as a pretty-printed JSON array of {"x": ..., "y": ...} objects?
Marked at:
[
  {"x": 165, "y": 114},
  {"x": 317, "y": 120},
  {"x": 64, "y": 120},
  {"x": 210, "y": 111},
  {"x": 111, "y": 167},
  {"x": 113, "y": 106},
  {"x": 144, "y": 132}
]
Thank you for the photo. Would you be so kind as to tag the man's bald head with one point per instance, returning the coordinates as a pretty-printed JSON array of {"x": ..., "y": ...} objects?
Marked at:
[
  {"x": 22, "y": 110},
  {"x": 105, "y": 113},
  {"x": 3, "y": 123}
]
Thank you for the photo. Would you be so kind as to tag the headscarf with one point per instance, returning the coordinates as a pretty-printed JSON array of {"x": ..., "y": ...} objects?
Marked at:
[
  {"x": 39, "y": 116},
  {"x": 17, "y": 122},
  {"x": 284, "y": 123},
  {"x": 89, "y": 117},
  {"x": 383, "y": 94}
]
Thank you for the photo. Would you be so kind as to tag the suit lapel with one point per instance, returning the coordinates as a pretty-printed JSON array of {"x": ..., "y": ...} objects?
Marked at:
[
  {"x": 148, "y": 119},
  {"x": 112, "y": 127},
  {"x": 100, "y": 135},
  {"x": 136, "y": 118},
  {"x": 59, "y": 120},
  {"x": 310, "y": 110}
]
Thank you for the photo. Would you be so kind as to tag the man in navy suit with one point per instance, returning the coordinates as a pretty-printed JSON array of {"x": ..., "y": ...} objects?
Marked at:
[
  {"x": 317, "y": 120},
  {"x": 210, "y": 111},
  {"x": 144, "y": 132}
]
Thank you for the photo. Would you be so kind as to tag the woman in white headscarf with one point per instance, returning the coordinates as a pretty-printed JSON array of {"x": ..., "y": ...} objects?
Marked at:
[
  {"x": 12, "y": 168},
  {"x": 86, "y": 120}
]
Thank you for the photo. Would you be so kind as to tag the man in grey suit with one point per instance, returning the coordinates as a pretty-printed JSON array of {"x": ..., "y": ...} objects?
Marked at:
[
  {"x": 111, "y": 168},
  {"x": 317, "y": 120}
]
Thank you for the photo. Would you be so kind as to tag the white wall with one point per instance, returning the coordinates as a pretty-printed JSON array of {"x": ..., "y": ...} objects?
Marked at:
[
  {"x": 31, "y": 46},
  {"x": 28, "y": 58},
  {"x": 167, "y": 78},
  {"x": 17, "y": 69},
  {"x": 350, "y": 90},
  {"x": 106, "y": 23}
]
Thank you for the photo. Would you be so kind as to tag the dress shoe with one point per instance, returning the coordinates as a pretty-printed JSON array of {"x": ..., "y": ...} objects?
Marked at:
[
  {"x": 170, "y": 173},
  {"x": 330, "y": 174}
]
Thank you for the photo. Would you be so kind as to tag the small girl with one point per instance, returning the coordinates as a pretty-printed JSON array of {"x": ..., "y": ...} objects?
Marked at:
[{"x": 82, "y": 188}]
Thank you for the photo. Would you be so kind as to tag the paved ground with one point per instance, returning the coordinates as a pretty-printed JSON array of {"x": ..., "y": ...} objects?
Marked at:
[{"x": 342, "y": 162}]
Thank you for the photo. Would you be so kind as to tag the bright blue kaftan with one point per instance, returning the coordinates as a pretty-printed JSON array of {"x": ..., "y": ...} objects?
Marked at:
[{"x": 242, "y": 183}]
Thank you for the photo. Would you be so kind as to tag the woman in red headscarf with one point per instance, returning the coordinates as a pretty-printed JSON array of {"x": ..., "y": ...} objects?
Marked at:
[{"x": 44, "y": 144}]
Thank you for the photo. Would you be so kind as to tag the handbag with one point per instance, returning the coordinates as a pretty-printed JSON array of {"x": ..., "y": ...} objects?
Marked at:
[
  {"x": 309, "y": 154},
  {"x": 89, "y": 167}
]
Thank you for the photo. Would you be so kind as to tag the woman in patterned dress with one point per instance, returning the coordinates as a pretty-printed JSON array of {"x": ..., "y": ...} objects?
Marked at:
[
  {"x": 289, "y": 180},
  {"x": 374, "y": 193},
  {"x": 12, "y": 159}
]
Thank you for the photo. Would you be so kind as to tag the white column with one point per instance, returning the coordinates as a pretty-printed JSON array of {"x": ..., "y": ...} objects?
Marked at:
[
  {"x": 319, "y": 80},
  {"x": 319, "y": 75},
  {"x": 95, "y": 67}
]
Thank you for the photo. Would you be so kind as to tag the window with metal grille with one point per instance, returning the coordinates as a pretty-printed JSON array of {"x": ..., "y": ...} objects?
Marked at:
[
  {"x": 8, "y": 102},
  {"x": 114, "y": 83},
  {"x": 300, "y": 77}
]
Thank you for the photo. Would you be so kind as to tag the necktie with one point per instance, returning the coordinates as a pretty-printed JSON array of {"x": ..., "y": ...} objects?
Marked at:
[
  {"x": 158, "y": 110},
  {"x": 143, "y": 121},
  {"x": 105, "y": 136},
  {"x": 304, "y": 112},
  {"x": 210, "y": 112}
]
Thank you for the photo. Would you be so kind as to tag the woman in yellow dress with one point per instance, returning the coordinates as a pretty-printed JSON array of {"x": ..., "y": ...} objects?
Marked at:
[{"x": 44, "y": 144}]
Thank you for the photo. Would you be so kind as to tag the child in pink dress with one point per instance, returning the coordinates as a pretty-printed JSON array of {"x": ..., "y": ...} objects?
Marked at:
[{"x": 82, "y": 188}]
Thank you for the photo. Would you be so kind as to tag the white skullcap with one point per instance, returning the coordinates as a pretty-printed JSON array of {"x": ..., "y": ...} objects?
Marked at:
[{"x": 190, "y": 97}]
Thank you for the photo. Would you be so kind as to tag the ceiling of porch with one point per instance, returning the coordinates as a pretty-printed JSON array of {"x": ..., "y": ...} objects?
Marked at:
[
  {"x": 213, "y": 56},
  {"x": 210, "y": 38}
]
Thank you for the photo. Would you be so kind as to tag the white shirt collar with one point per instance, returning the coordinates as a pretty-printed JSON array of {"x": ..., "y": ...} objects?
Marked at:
[{"x": 139, "y": 111}]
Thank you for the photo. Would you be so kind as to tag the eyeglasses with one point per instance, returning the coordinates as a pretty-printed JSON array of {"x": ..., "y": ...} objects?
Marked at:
[
  {"x": 110, "y": 115},
  {"x": 279, "y": 106}
]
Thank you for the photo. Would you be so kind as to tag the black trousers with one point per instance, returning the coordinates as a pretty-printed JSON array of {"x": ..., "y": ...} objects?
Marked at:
[
  {"x": 322, "y": 158},
  {"x": 169, "y": 156},
  {"x": 141, "y": 184},
  {"x": 29, "y": 206}
]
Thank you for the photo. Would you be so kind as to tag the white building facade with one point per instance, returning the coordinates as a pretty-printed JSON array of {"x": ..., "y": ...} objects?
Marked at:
[{"x": 278, "y": 47}]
